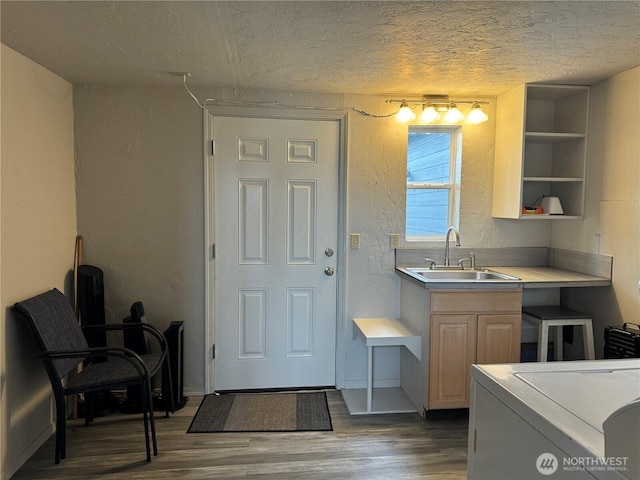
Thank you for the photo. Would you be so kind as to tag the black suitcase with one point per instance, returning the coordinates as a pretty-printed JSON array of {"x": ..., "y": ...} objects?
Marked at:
[{"x": 622, "y": 342}]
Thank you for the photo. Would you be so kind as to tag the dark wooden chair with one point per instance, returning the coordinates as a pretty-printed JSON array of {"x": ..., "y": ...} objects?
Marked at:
[{"x": 64, "y": 347}]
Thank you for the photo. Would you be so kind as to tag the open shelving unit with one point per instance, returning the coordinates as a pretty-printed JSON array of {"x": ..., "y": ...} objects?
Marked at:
[{"x": 541, "y": 147}]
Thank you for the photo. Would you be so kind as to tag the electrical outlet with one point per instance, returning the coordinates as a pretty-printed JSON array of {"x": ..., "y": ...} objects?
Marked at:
[
  {"x": 355, "y": 240},
  {"x": 394, "y": 240}
]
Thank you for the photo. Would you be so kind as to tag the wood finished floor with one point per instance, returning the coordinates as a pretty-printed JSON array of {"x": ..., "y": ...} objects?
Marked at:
[{"x": 398, "y": 446}]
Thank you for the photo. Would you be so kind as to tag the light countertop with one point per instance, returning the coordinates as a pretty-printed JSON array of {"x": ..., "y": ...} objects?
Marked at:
[
  {"x": 529, "y": 277},
  {"x": 540, "y": 277}
]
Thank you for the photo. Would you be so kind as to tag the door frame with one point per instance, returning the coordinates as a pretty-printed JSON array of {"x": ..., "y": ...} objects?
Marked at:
[{"x": 209, "y": 113}]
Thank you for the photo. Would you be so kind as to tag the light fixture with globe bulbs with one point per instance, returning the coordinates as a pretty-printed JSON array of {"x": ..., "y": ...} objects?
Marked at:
[{"x": 436, "y": 107}]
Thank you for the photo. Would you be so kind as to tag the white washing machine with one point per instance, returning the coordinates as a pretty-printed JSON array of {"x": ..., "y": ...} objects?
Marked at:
[{"x": 555, "y": 420}]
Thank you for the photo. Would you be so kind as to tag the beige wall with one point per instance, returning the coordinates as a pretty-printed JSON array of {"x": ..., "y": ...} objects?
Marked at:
[
  {"x": 38, "y": 236},
  {"x": 140, "y": 207},
  {"x": 612, "y": 222}
]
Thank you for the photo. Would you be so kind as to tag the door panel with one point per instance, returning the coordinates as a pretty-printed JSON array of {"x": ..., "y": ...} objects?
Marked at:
[
  {"x": 300, "y": 322},
  {"x": 252, "y": 323},
  {"x": 252, "y": 218},
  {"x": 276, "y": 210},
  {"x": 301, "y": 223}
]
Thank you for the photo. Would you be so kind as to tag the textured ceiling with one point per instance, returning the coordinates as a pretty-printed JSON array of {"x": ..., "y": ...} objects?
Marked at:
[{"x": 387, "y": 47}]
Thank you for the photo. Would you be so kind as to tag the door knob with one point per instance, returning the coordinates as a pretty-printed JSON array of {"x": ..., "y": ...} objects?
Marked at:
[{"x": 328, "y": 271}]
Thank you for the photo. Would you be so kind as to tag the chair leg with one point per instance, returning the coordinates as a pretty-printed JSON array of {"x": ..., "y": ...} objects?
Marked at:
[
  {"x": 151, "y": 419},
  {"x": 89, "y": 407},
  {"x": 167, "y": 390},
  {"x": 59, "y": 441},
  {"x": 62, "y": 426},
  {"x": 60, "y": 448},
  {"x": 145, "y": 419}
]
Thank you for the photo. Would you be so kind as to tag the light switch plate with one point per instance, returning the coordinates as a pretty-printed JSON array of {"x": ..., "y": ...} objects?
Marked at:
[{"x": 355, "y": 240}]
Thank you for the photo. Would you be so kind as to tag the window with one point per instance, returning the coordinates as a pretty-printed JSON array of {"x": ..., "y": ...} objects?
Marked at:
[{"x": 433, "y": 181}]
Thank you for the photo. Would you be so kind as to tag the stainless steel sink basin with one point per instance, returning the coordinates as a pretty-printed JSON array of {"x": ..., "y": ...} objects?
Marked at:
[{"x": 477, "y": 275}]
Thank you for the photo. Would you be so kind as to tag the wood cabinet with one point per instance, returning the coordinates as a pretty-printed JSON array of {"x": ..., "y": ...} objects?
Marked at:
[
  {"x": 469, "y": 327},
  {"x": 541, "y": 147},
  {"x": 453, "y": 351}
]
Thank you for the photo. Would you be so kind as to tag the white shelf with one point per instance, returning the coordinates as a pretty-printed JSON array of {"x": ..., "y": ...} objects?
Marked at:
[
  {"x": 381, "y": 332},
  {"x": 550, "y": 217},
  {"x": 543, "y": 92},
  {"x": 552, "y": 179},
  {"x": 385, "y": 400},
  {"x": 548, "y": 137}
]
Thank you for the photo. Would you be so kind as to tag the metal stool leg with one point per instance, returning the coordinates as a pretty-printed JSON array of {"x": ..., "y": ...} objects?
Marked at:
[
  {"x": 543, "y": 341},
  {"x": 369, "y": 377},
  {"x": 589, "y": 349},
  {"x": 559, "y": 346}
]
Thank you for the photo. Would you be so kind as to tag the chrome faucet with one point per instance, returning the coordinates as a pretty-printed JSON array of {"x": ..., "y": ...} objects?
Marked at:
[
  {"x": 446, "y": 248},
  {"x": 471, "y": 259},
  {"x": 431, "y": 262}
]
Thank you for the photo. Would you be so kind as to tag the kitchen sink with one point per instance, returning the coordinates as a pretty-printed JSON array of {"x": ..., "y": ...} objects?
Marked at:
[{"x": 451, "y": 275}]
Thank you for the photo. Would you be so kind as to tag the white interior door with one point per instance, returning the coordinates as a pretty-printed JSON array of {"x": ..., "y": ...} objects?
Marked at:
[{"x": 276, "y": 211}]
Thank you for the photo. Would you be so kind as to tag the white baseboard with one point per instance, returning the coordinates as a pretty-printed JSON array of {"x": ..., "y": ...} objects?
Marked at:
[
  {"x": 193, "y": 392},
  {"x": 9, "y": 469},
  {"x": 382, "y": 383}
]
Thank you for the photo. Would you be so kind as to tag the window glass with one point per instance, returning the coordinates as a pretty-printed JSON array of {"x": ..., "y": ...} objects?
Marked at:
[
  {"x": 433, "y": 181},
  {"x": 427, "y": 211}
]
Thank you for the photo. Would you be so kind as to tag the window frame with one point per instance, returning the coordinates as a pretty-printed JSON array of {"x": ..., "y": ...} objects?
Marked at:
[{"x": 454, "y": 184}]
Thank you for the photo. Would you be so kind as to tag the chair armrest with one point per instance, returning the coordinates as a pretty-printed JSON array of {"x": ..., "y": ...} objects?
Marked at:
[
  {"x": 129, "y": 355},
  {"x": 157, "y": 334}
]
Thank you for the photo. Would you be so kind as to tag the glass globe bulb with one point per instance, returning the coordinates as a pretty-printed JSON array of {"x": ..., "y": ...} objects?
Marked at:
[
  {"x": 405, "y": 114},
  {"x": 477, "y": 115},
  {"x": 429, "y": 114},
  {"x": 453, "y": 115}
]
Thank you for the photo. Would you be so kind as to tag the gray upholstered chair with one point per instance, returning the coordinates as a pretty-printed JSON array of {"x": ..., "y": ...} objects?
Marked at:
[{"x": 64, "y": 347}]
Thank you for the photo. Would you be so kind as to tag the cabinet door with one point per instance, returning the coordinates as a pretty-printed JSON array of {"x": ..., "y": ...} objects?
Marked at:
[
  {"x": 499, "y": 338},
  {"x": 453, "y": 350}
]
